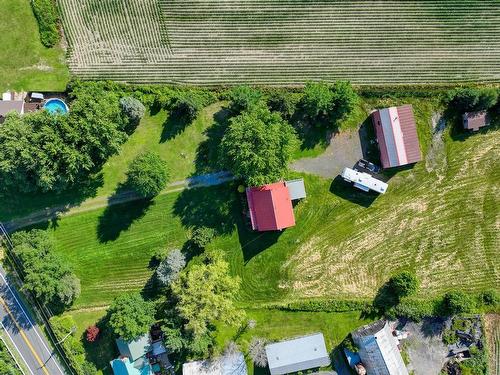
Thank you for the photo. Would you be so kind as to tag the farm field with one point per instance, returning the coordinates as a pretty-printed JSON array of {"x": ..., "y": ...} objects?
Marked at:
[
  {"x": 278, "y": 42},
  {"x": 25, "y": 64}
]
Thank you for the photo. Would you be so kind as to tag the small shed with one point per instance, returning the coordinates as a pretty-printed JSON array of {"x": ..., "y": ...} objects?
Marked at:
[
  {"x": 230, "y": 364},
  {"x": 296, "y": 188},
  {"x": 298, "y": 354},
  {"x": 270, "y": 207},
  {"x": 475, "y": 120},
  {"x": 397, "y": 137}
]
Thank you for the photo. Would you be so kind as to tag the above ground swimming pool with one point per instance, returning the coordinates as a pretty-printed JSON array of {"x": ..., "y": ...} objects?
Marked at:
[{"x": 56, "y": 106}]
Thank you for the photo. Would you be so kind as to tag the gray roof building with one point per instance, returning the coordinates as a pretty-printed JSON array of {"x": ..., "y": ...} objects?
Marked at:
[
  {"x": 296, "y": 188},
  {"x": 378, "y": 349},
  {"x": 297, "y": 354},
  {"x": 7, "y": 106}
]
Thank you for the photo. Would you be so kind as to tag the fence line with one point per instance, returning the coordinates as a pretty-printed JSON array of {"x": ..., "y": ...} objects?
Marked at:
[{"x": 42, "y": 310}]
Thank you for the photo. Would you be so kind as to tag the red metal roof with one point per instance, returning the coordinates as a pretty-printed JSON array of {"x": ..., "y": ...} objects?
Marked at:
[
  {"x": 270, "y": 207},
  {"x": 397, "y": 137}
]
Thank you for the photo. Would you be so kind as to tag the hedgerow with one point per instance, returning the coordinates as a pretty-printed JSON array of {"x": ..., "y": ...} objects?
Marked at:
[{"x": 48, "y": 20}]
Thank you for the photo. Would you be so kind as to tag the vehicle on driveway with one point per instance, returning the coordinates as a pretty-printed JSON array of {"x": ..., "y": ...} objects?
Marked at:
[{"x": 369, "y": 166}]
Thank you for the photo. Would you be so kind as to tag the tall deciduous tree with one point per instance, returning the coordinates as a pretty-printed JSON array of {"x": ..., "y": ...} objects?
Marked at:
[
  {"x": 258, "y": 145},
  {"x": 148, "y": 174},
  {"x": 130, "y": 316},
  {"x": 205, "y": 294},
  {"x": 45, "y": 274}
]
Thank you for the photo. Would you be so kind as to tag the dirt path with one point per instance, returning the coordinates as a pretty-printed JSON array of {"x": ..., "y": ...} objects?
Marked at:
[
  {"x": 344, "y": 150},
  {"x": 91, "y": 204}
]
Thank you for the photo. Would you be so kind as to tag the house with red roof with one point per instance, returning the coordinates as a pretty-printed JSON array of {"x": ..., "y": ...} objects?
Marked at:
[
  {"x": 270, "y": 205},
  {"x": 397, "y": 137},
  {"x": 475, "y": 120}
]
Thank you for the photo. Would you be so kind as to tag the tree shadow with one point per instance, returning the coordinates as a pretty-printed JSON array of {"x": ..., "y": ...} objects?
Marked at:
[
  {"x": 347, "y": 191},
  {"x": 368, "y": 141},
  {"x": 100, "y": 351},
  {"x": 173, "y": 126},
  {"x": 311, "y": 133},
  {"x": 252, "y": 242},
  {"x": 20, "y": 319},
  {"x": 211, "y": 207},
  {"x": 207, "y": 155},
  {"x": 35, "y": 204},
  {"x": 385, "y": 298},
  {"x": 432, "y": 327},
  {"x": 118, "y": 217}
]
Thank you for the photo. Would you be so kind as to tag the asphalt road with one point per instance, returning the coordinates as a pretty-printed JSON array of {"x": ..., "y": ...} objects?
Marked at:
[{"x": 30, "y": 343}]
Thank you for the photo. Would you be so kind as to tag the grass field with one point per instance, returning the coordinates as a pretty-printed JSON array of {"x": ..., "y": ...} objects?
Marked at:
[
  {"x": 439, "y": 219},
  {"x": 25, "y": 64},
  {"x": 284, "y": 42}
]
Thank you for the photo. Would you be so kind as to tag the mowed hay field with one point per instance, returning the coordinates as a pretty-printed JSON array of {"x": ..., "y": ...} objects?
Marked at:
[
  {"x": 285, "y": 42},
  {"x": 439, "y": 218}
]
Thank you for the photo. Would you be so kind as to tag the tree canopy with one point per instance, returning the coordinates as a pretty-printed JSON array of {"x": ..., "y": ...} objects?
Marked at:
[
  {"x": 169, "y": 268},
  {"x": 404, "y": 284},
  {"x": 329, "y": 103},
  {"x": 205, "y": 294},
  {"x": 130, "y": 316},
  {"x": 48, "y": 152},
  {"x": 469, "y": 99},
  {"x": 148, "y": 174},
  {"x": 46, "y": 276},
  {"x": 243, "y": 98},
  {"x": 258, "y": 145}
]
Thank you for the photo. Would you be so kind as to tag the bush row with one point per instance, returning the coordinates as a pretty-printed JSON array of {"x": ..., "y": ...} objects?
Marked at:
[
  {"x": 48, "y": 20},
  {"x": 322, "y": 305}
]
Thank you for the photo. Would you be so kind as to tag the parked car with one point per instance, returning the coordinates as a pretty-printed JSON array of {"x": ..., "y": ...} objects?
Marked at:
[{"x": 368, "y": 165}]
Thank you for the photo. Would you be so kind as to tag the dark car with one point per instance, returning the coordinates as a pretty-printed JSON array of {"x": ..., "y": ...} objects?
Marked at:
[{"x": 368, "y": 165}]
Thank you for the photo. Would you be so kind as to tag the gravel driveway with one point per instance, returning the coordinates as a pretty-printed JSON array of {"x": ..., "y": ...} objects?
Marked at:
[{"x": 344, "y": 150}]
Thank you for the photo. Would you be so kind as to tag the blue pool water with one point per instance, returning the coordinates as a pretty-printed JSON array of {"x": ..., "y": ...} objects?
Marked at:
[{"x": 56, "y": 106}]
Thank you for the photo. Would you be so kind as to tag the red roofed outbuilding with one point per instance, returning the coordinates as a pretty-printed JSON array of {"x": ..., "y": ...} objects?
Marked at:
[
  {"x": 475, "y": 120},
  {"x": 270, "y": 207},
  {"x": 397, "y": 136}
]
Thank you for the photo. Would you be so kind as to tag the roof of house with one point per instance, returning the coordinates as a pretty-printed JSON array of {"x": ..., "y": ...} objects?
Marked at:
[
  {"x": 364, "y": 181},
  {"x": 7, "y": 106},
  {"x": 297, "y": 354},
  {"x": 134, "y": 349},
  {"x": 397, "y": 136},
  {"x": 270, "y": 207},
  {"x": 233, "y": 364},
  {"x": 296, "y": 188},
  {"x": 475, "y": 120},
  {"x": 123, "y": 366}
]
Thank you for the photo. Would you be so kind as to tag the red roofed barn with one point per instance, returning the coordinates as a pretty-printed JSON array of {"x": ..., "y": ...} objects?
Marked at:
[
  {"x": 475, "y": 120},
  {"x": 397, "y": 136},
  {"x": 270, "y": 207}
]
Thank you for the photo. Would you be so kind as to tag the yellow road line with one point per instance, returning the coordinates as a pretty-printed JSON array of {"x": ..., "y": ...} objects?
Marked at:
[{"x": 25, "y": 338}]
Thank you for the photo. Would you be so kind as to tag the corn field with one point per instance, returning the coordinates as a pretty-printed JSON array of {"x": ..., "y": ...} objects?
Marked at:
[{"x": 283, "y": 42}]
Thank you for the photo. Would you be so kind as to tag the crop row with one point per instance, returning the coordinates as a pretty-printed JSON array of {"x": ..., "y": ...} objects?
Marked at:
[{"x": 283, "y": 42}]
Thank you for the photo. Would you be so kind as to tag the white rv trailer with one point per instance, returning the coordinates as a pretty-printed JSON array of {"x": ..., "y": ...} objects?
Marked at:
[{"x": 364, "y": 181}]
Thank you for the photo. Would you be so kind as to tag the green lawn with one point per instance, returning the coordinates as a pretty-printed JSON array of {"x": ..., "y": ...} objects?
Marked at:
[{"x": 25, "y": 64}]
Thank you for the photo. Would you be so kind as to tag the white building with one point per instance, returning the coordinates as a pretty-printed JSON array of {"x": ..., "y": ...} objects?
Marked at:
[
  {"x": 378, "y": 349},
  {"x": 364, "y": 181}
]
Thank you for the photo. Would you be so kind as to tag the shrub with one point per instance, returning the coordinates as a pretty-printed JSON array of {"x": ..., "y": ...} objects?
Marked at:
[
  {"x": 130, "y": 316},
  {"x": 243, "y": 98},
  {"x": 323, "y": 305},
  {"x": 73, "y": 346},
  {"x": 404, "y": 284},
  {"x": 46, "y": 14},
  {"x": 413, "y": 309},
  {"x": 257, "y": 351},
  {"x": 92, "y": 333},
  {"x": 489, "y": 298},
  {"x": 148, "y": 174},
  {"x": 133, "y": 109},
  {"x": 457, "y": 302},
  {"x": 348, "y": 343},
  {"x": 472, "y": 99},
  {"x": 169, "y": 269},
  {"x": 202, "y": 236}
]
